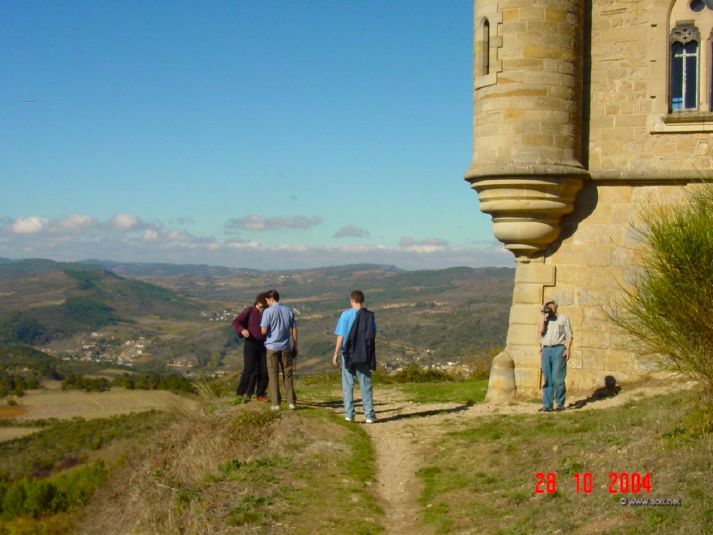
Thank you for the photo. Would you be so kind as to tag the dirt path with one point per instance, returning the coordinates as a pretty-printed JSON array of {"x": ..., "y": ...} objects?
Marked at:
[{"x": 405, "y": 428}]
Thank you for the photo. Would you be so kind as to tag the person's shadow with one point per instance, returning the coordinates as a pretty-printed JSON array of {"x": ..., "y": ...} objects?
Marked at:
[
  {"x": 394, "y": 417},
  {"x": 609, "y": 390}
]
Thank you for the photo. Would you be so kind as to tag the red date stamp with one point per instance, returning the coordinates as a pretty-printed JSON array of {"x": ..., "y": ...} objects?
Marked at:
[{"x": 619, "y": 482}]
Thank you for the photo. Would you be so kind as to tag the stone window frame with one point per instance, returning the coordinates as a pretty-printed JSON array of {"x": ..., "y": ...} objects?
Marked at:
[
  {"x": 492, "y": 43},
  {"x": 661, "y": 119},
  {"x": 685, "y": 32}
]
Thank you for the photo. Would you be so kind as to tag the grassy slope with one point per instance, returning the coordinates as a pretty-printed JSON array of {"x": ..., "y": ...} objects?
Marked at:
[
  {"x": 249, "y": 470},
  {"x": 63, "y": 450},
  {"x": 68, "y": 443},
  {"x": 246, "y": 469},
  {"x": 482, "y": 479}
]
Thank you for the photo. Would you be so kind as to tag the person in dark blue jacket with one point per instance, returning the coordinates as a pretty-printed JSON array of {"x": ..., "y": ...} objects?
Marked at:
[{"x": 356, "y": 333}]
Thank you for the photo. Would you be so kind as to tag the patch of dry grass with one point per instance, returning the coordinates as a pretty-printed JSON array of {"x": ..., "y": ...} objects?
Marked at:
[
  {"x": 227, "y": 469},
  {"x": 46, "y": 404},
  {"x": 12, "y": 433}
]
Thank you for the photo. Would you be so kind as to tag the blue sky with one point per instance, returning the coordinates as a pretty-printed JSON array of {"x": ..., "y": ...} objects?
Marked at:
[{"x": 268, "y": 134}]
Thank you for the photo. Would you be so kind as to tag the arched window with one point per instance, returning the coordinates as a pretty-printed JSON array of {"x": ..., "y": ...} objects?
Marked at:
[
  {"x": 684, "y": 67},
  {"x": 700, "y": 5},
  {"x": 486, "y": 46}
]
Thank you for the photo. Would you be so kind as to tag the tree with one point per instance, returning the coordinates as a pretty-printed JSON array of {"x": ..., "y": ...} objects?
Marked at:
[{"x": 668, "y": 307}]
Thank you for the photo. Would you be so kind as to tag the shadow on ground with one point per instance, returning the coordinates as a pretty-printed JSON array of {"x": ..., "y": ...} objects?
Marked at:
[
  {"x": 395, "y": 417},
  {"x": 609, "y": 390}
]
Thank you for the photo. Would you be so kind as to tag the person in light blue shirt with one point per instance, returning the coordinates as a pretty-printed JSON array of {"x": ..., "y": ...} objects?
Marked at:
[
  {"x": 356, "y": 372},
  {"x": 279, "y": 325}
]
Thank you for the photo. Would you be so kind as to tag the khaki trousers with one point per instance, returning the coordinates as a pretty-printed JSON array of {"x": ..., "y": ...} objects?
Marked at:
[{"x": 277, "y": 359}]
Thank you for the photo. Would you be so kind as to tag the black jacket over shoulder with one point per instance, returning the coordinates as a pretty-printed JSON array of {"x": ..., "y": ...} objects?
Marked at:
[{"x": 360, "y": 349}]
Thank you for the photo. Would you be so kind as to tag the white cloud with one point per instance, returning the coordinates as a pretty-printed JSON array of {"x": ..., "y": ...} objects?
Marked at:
[
  {"x": 124, "y": 222},
  {"x": 126, "y": 237},
  {"x": 29, "y": 225},
  {"x": 75, "y": 222},
  {"x": 350, "y": 231},
  {"x": 150, "y": 235},
  {"x": 261, "y": 223},
  {"x": 429, "y": 245}
]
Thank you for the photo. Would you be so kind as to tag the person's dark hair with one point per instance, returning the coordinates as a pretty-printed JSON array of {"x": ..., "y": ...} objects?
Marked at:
[
  {"x": 358, "y": 296},
  {"x": 273, "y": 294},
  {"x": 261, "y": 299}
]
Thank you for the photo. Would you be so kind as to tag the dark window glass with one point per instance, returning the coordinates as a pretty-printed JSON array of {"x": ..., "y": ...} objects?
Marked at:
[
  {"x": 691, "y": 100},
  {"x": 486, "y": 47},
  {"x": 684, "y": 76}
]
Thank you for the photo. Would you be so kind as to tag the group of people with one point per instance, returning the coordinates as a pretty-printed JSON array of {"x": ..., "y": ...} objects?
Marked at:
[{"x": 269, "y": 332}]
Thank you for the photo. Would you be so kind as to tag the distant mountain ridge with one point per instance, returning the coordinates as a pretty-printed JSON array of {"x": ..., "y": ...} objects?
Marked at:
[
  {"x": 28, "y": 266},
  {"x": 39, "y": 266},
  {"x": 162, "y": 269}
]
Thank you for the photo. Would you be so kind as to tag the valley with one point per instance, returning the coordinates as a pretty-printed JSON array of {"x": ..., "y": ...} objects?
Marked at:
[{"x": 177, "y": 318}]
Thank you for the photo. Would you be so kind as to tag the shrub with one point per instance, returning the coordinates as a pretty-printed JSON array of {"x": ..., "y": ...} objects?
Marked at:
[
  {"x": 153, "y": 381},
  {"x": 669, "y": 306},
  {"x": 37, "y": 497},
  {"x": 40, "y": 497},
  {"x": 416, "y": 374},
  {"x": 13, "y": 503},
  {"x": 88, "y": 384}
]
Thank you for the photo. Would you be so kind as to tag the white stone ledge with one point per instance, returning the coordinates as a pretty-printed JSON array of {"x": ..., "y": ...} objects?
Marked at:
[{"x": 681, "y": 123}]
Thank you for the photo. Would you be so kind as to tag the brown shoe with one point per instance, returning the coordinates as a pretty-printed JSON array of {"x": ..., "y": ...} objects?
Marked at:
[{"x": 262, "y": 399}]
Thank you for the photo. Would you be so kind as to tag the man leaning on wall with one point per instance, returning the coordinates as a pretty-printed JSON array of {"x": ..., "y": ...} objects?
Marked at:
[{"x": 555, "y": 347}]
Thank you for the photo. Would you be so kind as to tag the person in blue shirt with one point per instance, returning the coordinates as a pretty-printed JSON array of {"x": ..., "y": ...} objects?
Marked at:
[
  {"x": 361, "y": 342},
  {"x": 279, "y": 325}
]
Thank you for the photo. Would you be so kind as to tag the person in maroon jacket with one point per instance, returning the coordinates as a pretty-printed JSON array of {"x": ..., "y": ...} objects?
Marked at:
[{"x": 247, "y": 326}]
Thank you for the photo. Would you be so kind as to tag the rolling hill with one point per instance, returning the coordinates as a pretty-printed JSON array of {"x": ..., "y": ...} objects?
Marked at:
[
  {"x": 427, "y": 316},
  {"x": 183, "y": 313},
  {"x": 44, "y": 300}
]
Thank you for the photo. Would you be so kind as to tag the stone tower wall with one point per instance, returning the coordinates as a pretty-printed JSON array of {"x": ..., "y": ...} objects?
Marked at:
[
  {"x": 585, "y": 272},
  {"x": 631, "y": 135},
  {"x": 529, "y": 123},
  {"x": 532, "y": 95}
]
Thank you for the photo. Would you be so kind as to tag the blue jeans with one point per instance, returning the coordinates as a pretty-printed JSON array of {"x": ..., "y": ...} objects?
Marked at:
[
  {"x": 363, "y": 375},
  {"x": 554, "y": 369}
]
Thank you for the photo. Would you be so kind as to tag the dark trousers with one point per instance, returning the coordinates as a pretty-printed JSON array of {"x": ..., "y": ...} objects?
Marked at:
[
  {"x": 276, "y": 360},
  {"x": 254, "y": 376}
]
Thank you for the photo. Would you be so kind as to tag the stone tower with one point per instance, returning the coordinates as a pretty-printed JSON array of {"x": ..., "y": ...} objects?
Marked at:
[{"x": 583, "y": 111}]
